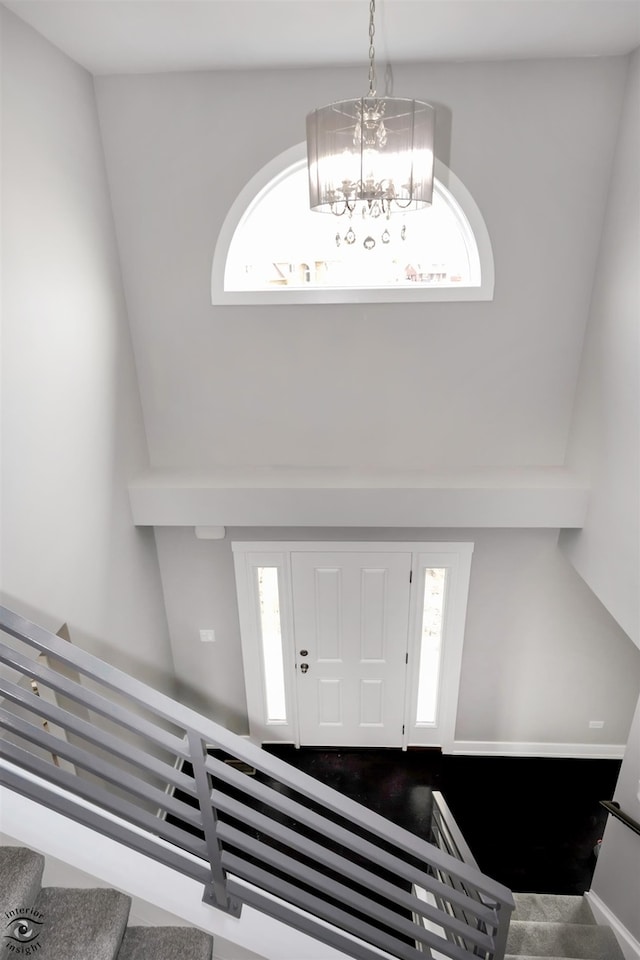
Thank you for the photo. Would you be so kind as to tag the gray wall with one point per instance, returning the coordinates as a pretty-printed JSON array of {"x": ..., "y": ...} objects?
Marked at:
[
  {"x": 542, "y": 656},
  {"x": 617, "y": 879},
  {"x": 604, "y": 441},
  {"x": 73, "y": 438},
  {"x": 605, "y": 444},
  {"x": 72, "y": 431},
  {"x": 432, "y": 387},
  {"x": 429, "y": 387}
]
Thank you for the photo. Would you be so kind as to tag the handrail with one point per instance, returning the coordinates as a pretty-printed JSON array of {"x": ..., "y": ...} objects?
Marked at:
[
  {"x": 266, "y": 840},
  {"x": 447, "y": 833},
  {"x": 447, "y": 836},
  {"x": 613, "y": 808}
]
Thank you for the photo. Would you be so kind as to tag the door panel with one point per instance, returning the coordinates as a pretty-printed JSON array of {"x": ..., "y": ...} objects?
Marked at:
[{"x": 351, "y": 614}]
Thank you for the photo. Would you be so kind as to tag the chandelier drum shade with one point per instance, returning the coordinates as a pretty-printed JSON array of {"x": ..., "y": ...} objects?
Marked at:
[{"x": 374, "y": 153}]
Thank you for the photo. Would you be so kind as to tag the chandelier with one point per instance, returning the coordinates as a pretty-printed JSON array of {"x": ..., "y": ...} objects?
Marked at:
[{"x": 374, "y": 153}]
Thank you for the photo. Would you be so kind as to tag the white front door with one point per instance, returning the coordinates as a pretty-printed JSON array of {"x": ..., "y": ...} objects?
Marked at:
[
  {"x": 351, "y": 607},
  {"x": 351, "y": 620}
]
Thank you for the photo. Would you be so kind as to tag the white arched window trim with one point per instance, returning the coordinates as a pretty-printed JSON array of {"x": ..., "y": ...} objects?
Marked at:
[{"x": 293, "y": 159}]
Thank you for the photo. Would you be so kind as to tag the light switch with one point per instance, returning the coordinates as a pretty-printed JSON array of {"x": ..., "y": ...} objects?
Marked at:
[{"x": 208, "y": 636}]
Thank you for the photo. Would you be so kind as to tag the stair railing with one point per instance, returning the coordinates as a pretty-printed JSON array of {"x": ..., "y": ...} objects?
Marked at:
[
  {"x": 613, "y": 807},
  {"x": 277, "y": 840},
  {"x": 447, "y": 836}
]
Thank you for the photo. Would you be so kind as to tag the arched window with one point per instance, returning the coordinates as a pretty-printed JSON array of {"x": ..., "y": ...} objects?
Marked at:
[{"x": 273, "y": 249}]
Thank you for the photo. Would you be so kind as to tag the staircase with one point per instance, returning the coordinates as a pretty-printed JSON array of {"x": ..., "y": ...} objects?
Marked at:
[
  {"x": 558, "y": 927},
  {"x": 53, "y": 923},
  {"x": 92, "y": 924},
  {"x": 278, "y": 845}
]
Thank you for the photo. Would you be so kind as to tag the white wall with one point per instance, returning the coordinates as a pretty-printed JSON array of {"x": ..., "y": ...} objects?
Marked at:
[
  {"x": 605, "y": 436},
  {"x": 605, "y": 443},
  {"x": 199, "y": 587},
  {"x": 542, "y": 656},
  {"x": 72, "y": 431},
  {"x": 76, "y": 432},
  {"x": 616, "y": 880},
  {"x": 427, "y": 387},
  {"x": 378, "y": 386}
]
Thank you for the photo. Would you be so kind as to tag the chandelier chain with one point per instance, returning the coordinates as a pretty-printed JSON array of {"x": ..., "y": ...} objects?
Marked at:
[{"x": 372, "y": 49}]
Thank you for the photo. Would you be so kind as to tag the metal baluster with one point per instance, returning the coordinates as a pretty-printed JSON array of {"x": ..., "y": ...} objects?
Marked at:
[
  {"x": 216, "y": 891},
  {"x": 503, "y": 911}
]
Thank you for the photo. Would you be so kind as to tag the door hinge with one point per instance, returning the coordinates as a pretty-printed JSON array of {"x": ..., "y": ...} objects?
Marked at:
[
  {"x": 406, "y": 658},
  {"x": 410, "y": 576},
  {"x": 403, "y": 729}
]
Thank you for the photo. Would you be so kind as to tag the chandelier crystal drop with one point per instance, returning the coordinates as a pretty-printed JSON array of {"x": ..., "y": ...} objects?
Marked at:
[{"x": 374, "y": 153}]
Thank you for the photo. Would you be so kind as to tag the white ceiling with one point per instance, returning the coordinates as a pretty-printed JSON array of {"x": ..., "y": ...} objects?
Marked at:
[{"x": 148, "y": 36}]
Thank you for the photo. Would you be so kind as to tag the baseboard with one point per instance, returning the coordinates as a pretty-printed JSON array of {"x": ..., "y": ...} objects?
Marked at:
[
  {"x": 628, "y": 943},
  {"x": 496, "y": 748}
]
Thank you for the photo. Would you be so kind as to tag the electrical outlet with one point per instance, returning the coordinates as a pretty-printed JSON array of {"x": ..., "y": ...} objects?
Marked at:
[
  {"x": 596, "y": 724},
  {"x": 208, "y": 636}
]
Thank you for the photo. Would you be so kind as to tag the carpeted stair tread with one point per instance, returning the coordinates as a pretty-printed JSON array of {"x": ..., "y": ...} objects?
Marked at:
[
  {"x": 81, "y": 924},
  {"x": 576, "y": 940},
  {"x": 552, "y": 908},
  {"x": 165, "y": 943},
  {"x": 20, "y": 877}
]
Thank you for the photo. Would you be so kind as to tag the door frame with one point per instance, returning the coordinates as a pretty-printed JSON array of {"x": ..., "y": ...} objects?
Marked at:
[{"x": 455, "y": 556}]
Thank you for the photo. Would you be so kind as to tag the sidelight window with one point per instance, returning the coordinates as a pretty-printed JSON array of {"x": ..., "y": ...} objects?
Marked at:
[
  {"x": 271, "y": 644},
  {"x": 430, "y": 644}
]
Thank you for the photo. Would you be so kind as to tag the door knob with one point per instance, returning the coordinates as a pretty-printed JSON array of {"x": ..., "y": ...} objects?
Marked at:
[
  {"x": 304, "y": 667},
  {"x": 304, "y": 653}
]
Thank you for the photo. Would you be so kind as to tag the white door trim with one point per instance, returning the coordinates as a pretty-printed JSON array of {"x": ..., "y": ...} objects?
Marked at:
[
  {"x": 246, "y": 558},
  {"x": 455, "y": 556}
]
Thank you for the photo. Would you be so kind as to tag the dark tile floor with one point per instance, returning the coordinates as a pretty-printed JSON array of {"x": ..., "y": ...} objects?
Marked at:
[
  {"x": 394, "y": 784},
  {"x": 531, "y": 823}
]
